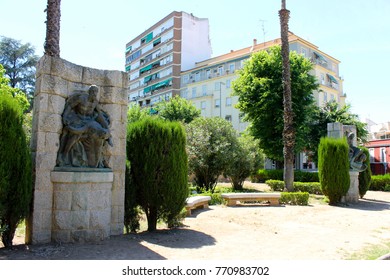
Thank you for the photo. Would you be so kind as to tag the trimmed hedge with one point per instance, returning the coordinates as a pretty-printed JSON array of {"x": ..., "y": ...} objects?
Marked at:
[
  {"x": 277, "y": 174},
  {"x": 294, "y": 198},
  {"x": 380, "y": 183},
  {"x": 310, "y": 187},
  {"x": 333, "y": 168}
]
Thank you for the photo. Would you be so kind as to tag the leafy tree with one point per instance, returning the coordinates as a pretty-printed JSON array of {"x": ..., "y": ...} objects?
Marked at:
[
  {"x": 260, "y": 90},
  {"x": 246, "y": 160},
  {"x": 53, "y": 17},
  {"x": 136, "y": 113},
  {"x": 331, "y": 113},
  {"x": 178, "y": 109},
  {"x": 19, "y": 61},
  {"x": 209, "y": 148},
  {"x": 333, "y": 168},
  {"x": 159, "y": 168},
  {"x": 15, "y": 168}
]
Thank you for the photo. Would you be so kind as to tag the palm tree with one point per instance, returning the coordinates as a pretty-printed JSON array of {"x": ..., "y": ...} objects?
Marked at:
[
  {"x": 52, "y": 41},
  {"x": 288, "y": 116}
]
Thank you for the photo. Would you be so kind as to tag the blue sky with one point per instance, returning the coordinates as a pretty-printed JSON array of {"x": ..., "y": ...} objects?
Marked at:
[{"x": 94, "y": 34}]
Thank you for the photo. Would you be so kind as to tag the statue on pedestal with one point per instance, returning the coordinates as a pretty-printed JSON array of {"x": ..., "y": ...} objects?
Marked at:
[
  {"x": 356, "y": 156},
  {"x": 85, "y": 131}
]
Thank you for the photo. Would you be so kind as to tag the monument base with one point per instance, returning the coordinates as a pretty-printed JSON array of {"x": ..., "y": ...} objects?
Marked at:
[
  {"x": 352, "y": 195},
  {"x": 81, "y": 206}
]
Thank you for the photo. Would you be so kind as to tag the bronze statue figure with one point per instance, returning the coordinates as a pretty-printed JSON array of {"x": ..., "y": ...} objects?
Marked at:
[
  {"x": 356, "y": 155},
  {"x": 85, "y": 131}
]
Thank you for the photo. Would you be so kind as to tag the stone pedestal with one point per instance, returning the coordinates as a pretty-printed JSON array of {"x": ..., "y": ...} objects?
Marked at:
[
  {"x": 81, "y": 206},
  {"x": 352, "y": 195}
]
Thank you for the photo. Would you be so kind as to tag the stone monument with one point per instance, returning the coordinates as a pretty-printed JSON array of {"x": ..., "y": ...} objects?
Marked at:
[
  {"x": 79, "y": 153},
  {"x": 356, "y": 158}
]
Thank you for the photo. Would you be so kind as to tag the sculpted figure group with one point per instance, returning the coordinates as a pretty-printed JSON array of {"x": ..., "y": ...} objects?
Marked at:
[{"x": 85, "y": 131}]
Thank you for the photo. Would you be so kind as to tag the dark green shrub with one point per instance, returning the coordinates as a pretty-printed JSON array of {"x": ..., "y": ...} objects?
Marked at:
[
  {"x": 275, "y": 185},
  {"x": 156, "y": 151},
  {"x": 294, "y": 198},
  {"x": 379, "y": 182},
  {"x": 310, "y": 187},
  {"x": 277, "y": 174},
  {"x": 132, "y": 211},
  {"x": 365, "y": 176},
  {"x": 304, "y": 176},
  {"x": 15, "y": 169},
  {"x": 333, "y": 168}
]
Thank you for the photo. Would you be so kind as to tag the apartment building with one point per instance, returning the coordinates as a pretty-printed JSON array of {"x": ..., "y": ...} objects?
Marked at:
[
  {"x": 208, "y": 84},
  {"x": 156, "y": 57}
]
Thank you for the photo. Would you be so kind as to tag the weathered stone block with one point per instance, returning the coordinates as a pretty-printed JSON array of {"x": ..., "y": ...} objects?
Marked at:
[
  {"x": 61, "y": 236},
  {"x": 100, "y": 220},
  {"x": 99, "y": 200},
  {"x": 52, "y": 142},
  {"x": 67, "y": 70},
  {"x": 54, "y": 85},
  {"x": 45, "y": 161},
  {"x": 50, "y": 122},
  {"x": 43, "y": 182},
  {"x": 80, "y": 220},
  {"x": 62, "y": 220},
  {"x": 43, "y": 200},
  {"x": 43, "y": 66},
  {"x": 80, "y": 200},
  {"x": 55, "y": 104},
  {"x": 62, "y": 201}
]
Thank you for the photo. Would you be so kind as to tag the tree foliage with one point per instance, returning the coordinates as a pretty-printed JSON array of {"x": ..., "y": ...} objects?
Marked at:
[
  {"x": 260, "y": 91},
  {"x": 136, "y": 113},
  {"x": 19, "y": 61},
  {"x": 331, "y": 113},
  {"x": 333, "y": 168},
  {"x": 15, "y": 168},
  {"x": 159, "y": 168},
  {"x": 209, "y": 147},
  {"x": 246, "y": 159},
  {"x": 178, "y": 109}
]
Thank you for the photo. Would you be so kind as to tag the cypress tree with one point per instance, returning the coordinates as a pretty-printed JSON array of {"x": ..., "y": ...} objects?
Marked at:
[
  {"x": 15, "y": 169},
  {"x": 156, "y": 151},
  {"x": 333, "y": 168}
]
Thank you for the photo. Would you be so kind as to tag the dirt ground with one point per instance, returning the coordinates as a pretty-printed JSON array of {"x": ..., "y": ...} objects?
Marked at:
[{"x": 314, "y": 232}]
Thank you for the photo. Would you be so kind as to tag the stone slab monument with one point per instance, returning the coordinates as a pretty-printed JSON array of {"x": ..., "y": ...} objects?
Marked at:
[
  {"x": 79, "y": 153},
  {"x": 356, "y": 158}
]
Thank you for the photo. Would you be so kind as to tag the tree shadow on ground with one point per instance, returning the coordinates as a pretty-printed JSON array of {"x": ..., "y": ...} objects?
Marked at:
[
  {"x": 122, "y": 247},
  {"x": 370, "y": 205},
  {"x": 178, "y": 238}
]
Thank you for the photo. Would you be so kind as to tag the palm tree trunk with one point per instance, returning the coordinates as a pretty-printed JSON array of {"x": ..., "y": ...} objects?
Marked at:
[
  {"x": 52, "y": 42},
  {"x": 288, "y": 116}
]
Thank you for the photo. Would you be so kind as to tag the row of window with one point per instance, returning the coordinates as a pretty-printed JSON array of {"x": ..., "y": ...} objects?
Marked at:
[
  {"x": 212, "y": 72},
  {"x": 218, "y": 87}
]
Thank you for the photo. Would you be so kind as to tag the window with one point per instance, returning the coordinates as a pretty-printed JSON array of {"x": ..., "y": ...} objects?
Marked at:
[
  {"x": 220, "y": 70},
  {"x": 203, "y": 105},
  {"x": 217, "y": 103},
  {"x": 185, "y": 79},
  {"x": 228, "y": 118},
  {"x": 193, "y": 92},
  {"x": 382, "y": 155},
  {"x": 204, "y": 90},
  {"x": 184, "y": 93},
  {"x": 372, "y": 154},
  {"x": 325, "y": 97},
  {"x": 228, "y": 83},
  {"x": 228, "y": 101},
  {"x": 208, "y": 74},
  {"x": 197, "y": 76},
  {"x": 232, "y": 67},
  {"x": 322, "y": 79},
  {"x": 304, "y": 52}
]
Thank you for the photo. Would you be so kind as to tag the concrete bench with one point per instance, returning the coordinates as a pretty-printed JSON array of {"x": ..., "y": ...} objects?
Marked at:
[
  {"x": 232, "y": 198},
  {"x": 195, "y": 202}
]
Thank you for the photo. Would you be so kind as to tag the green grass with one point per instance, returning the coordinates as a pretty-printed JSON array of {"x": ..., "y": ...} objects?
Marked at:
[{"x": 372, "y": 252}]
